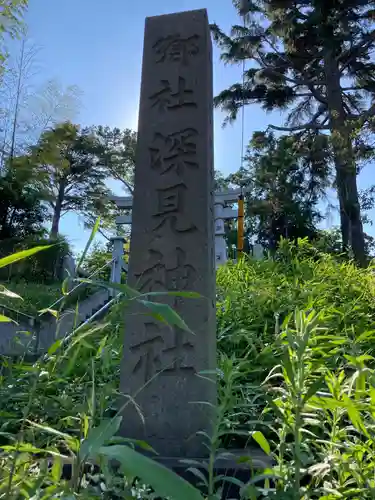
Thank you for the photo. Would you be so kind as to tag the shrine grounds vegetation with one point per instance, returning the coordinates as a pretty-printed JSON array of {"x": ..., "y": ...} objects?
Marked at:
[{"x": 296, "y": 349}]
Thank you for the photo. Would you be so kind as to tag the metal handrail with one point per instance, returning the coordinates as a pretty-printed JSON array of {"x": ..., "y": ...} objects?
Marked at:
[
  {"x": 106, "y": 306},
  {"x": 88, "y": 320},
  {"x": 80, "y": 284},
  {"x": 36, "y": 318},
  {"x": 97, "y": 313},
  {"x": 19, "y": 313}
]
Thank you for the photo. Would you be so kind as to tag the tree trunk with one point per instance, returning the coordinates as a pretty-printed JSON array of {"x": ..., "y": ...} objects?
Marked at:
[
  {"x": 346, "y": 172},
  {"x": 16, "y": 109},
  {"x": 3, "y": 223},
  {"x": 344, "y": 219},
  {"x": 57, "y": 209}
]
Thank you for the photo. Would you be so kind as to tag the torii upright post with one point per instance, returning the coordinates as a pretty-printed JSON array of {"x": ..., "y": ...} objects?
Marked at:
[{"x": 240, "y": 226}]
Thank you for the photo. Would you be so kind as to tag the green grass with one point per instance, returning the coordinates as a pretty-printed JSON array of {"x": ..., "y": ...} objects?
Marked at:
[
  {"x": 296, "y": 348},
  {"x": 35, "y": 296}
]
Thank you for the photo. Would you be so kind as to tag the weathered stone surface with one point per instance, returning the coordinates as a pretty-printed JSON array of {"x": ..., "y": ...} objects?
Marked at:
[{"x": 172, "y": 243}]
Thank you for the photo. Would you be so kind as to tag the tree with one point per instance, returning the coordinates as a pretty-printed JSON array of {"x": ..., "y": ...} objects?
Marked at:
[
  {"x": 49, "y": 105},
  {"x": 284, "y": 179},
  {"x": 71, "y": 176},
  {"x": 312, "y": 57},
  {"x": 221, "y": 183},
  {"x": 73, "y": 166},
  {"x": 15, "y": 91},
  {"x": 22, "y": 214},
  {"x": 27, "y": 107},
  {"x": 118, "y": 155},
  {"x": 11, "y": 23}
]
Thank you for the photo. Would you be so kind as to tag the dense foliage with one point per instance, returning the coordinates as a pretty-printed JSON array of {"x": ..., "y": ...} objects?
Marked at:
[
  {"x": 296, "y": 371},
  {"x": 22, "y": 213},
  {"x": 312, "y": 59},
  {"x": 295, "y": 330},
  {"x": 284, "y": 180},
  {"x": 44, "y": 267}
]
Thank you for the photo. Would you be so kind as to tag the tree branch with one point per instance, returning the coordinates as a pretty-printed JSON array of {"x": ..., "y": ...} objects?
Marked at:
[
  {"x": 121, "y": 179},
  {"x": 306, "y": 126},
  {"x": 364, "y": 116},
  {"x": 311, "y": 125},
  {"x": 356, "y": 51},
  {"x": 305, "y": 83},
  {"x": 103, "y": 234}
]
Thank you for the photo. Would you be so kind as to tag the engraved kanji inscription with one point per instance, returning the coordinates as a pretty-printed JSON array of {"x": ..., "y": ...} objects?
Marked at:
[
  {"x": 148, "y": 352},
  {"x": 174, "y": 152},
  {"x": 155, "y": 355},
  {"x": 170, "y": 209},
  {"x": 176, "y": 48},
  {"x": 172, "y": 97},
  {"x": 174, "y": 356},
  {"x": 166, "y": 270}
]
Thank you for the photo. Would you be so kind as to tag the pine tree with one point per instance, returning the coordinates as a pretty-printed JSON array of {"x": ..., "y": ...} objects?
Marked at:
[{"x": 312, "y": 58}]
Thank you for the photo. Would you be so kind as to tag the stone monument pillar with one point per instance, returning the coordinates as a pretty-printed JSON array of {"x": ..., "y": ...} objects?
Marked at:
[{"x": 172, "y": 242}]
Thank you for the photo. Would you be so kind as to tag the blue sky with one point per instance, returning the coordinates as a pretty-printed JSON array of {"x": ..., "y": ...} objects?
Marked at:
[{"x": 98, "y": 46}]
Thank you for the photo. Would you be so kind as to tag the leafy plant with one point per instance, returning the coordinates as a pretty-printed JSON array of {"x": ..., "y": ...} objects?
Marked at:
[
  {"x": 295, "y": 378},
  {"x": 47, "y": 424}
]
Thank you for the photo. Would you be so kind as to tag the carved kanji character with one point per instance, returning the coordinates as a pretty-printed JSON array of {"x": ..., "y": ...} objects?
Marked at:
[
  {"x": 148, "y": 352},
  {"x": 166, "y": 271},
  {"x": 155, "y": 356},
  {"x": 171, "y": 204},
  {"x": 167, "y": 99},
  {"x": 176, "y": 48},
  {"x": 174, "y": 151},
  {"x": 174, "y": 356}
]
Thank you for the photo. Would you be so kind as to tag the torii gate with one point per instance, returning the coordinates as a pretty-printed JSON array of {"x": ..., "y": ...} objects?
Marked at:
[{"x": 223, "y": 211}]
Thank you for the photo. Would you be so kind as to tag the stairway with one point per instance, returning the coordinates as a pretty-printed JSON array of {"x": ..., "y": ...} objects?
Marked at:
[{"x": 38, "y": 334}]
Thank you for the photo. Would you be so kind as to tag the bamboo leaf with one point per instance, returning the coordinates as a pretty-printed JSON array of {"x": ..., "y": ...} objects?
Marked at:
[
  {"x": 198, "y": 474},
  {"x": 15, "y": 257},
  {"x": 49, "y": 430},
  {"x": 5, "y": 319},
  {"x": 164, "y": 482},
  {"x": 164, "y": 313},
  {"x": 313, "y": 389},
  {"x": 288, "y": 369},
  {"x": 98, "y": 436},
  {"x": 120, "y": 287},
  {"x": 51, "y": 311},
  {"x": 88, "y": 244},
  {"x": 262, "y": 441},
  {"x": 187, "y": 295},
  {"x": 54, "y": 347},
  {"x": 7, "y": 293}
]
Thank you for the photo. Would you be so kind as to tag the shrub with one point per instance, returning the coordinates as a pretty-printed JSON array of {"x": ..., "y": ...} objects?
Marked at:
[
  {"x": 296, "y": 356},
  {"x": 35, "y": 296},
  {"x": 255, "y": 297},
  {"x": 98, "y": 257}
]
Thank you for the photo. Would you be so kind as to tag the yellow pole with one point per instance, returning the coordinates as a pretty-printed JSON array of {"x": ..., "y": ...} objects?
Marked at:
[{"x": 240, "y": 225}]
